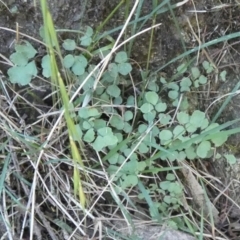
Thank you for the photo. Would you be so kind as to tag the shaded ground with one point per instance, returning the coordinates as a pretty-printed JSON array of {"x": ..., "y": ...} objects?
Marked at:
[{"x": 211, "y": 24}]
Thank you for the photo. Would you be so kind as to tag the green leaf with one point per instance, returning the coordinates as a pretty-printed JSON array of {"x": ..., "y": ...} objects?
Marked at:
[
  {"x": 165, "y": 135},
  {"x": 231, "y": 159},
  {"x": 152, "y": 86},
  {"x": 181, "y": 156},
  {"x": 132, "y": 165},
  {"x": 82, "y": 60},
  {"x": 118, "y": 100},
  {"x": 218, "y": 139},
  {"x": 110, "y": 140},
  {"x": 191, "y": 128},
  {"x": 14, "y": 10},
  {"x": 223, "y": 75},
  {"x": 69, "y": 44},
  {"x": 85, "y": 41},
  {"x": 105, "y": 99},
  {"x": 98, "y": 144},
  {"x": 175, "y": 102},
  {"x": 203, "y": 148},
  {"x": 164, "y": 185},
  {"x": 141, "y": 166},
  {"x": 89, "y": 31},
  {"x": 91, "y": 68},
  {"x": 127, "y": 127},
  {"x": 124, "y": 68},
  {"x": 89, "y": 135},
  {"x": 170, "y": 177},
  {"x": 196, "y": 84},
  {"x": 155, "y": 131},
  {"x": 100, "y": 89},
  {"x": 119, "y": 137},
  {"x": 184, "y": 105},
  {"x": 175, "y": 187},
  {"x": 202, "y": 79},
  {"x": 93, "y": 112},
  {"x": 113, "y": 159},
  {"x": 186, "y": 81},
  {"x": 164, "y": 118},
  {"x": 161, "y": 107},
  {"x": 105, "y": 138},
  {"x": 194, "y": 136},
  {"x": 26, "y": 49},
  {"x": 185, "y": 89},
  {"x": 68, "y": 61},
  {"x": 142, "y": 128},
  {"x": 79, "y": 65},
  {"x": 207, "y": 66},
  {"x": 182, "y": 68},
  {"x": 211, "y": 126},
  {"x": 185, "y": 84},
  {"x": 173, "y": 94},
  {"x": 46, "y": 65},
  {"x": 134, "y": 158},
  {"x": 31, "y": 69},
  {"x": 83, "y": 113},
  {"x": 173, "y": 86},
  {"x": 22, "y": 75},
  {"x": 205, "y": 123},
  {"x": 191, "y": 153},
  {"x": 86, "y": 125},
  {"x": 88, "y": 85},
  {"x": 195, "y": 72},
  {"x": 129, "y": 181},
  {"x": 150, "y": 116},
  {"x": 99, "y": 123},
  {"x": 163, "y": 80},
  {"x": 107, "y": 78},
  {"x": 105, "y": 131},
  {"x": 172, "y": 156},
  {"x": 121, "y": 57},
  {"x": 149, "y": 138},
  {"x": 121, "y": 159},
  {"x": 19, "y": 59},
  {"x": 114, "y": 91},
  {"x": 78, "y": 69},
  {"x": 178, "y": 131},
  {"x": 128, "y": 115},
  {"x": 182, "y": 118},
  {"x": 130, "y": 101},
  {"x": 146, "y": 108},
  {"x": 117, "y": 122},
  {"x": 197, "y": 118},
  {"x": 113, "y": 70},
  {"x": 152, "y": 97},
  {"x": 143, "y": 148}
]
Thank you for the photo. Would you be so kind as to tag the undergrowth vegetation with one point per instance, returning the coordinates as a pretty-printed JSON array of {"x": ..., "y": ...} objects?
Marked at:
[{"x": 128, "y": 133}]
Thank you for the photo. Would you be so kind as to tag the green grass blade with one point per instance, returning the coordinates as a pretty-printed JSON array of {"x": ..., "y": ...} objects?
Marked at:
[
  {"x": 204, "y": 136},
  {"x": 205, "y": 45},
  {"x": 226, "y": 102},
  {"x": 4, "y": 172},
  {"x": 152, "y": 207}
]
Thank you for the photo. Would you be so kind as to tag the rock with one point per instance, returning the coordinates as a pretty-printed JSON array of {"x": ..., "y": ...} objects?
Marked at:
[{"x": 146, "y": 232}]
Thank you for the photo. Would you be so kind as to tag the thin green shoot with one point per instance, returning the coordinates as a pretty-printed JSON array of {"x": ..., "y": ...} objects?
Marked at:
[{"x": 150, "y": 46}]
